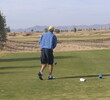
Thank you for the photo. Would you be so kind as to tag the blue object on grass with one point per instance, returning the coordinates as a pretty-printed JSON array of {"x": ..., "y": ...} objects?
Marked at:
[{"x": 100, "y": 76}]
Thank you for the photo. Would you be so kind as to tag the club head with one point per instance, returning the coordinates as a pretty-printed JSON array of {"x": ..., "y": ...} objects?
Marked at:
[{"x": 55, "y": 63}]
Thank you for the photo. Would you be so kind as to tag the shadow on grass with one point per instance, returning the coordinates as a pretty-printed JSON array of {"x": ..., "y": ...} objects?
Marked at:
[
  {"x": 64, "y": 57},
  {"x": 18, "y": 67},
  {"x": 34, "y": 58},
  {"x": 18, "y": 59},
  {"x": 9, "y": 72},
  {"x": 82, "y": 76}
]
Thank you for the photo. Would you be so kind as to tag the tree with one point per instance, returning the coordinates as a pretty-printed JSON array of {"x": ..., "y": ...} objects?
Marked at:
[
  {"x": 57, "y": 30},
  {"x": 46, "y": 30},
  {"x": 8, "y": 29},
  {"x": 2, "y": 28},
  {"x": 94, "y": 29},
  {"x": 75, "y": 29},
  {"x": 2, "y": 31},
  {"x": 32, "y": 30}
]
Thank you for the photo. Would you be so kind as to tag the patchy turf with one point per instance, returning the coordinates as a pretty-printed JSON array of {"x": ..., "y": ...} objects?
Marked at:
[{"x": 19, "y": 80}]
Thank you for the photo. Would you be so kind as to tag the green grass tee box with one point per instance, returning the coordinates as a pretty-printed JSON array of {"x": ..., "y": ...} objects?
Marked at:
[{"x": 19, "y": 80}]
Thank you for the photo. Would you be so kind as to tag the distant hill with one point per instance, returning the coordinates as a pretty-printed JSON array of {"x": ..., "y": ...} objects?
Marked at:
[
  {"x": 34, "y": 28},
  {"x": 82, "y": 27}
]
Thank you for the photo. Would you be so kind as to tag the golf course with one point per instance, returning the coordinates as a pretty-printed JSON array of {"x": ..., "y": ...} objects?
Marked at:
[
  {"x": 54, "y": 50},
  {"x": 19, "y": 74}
]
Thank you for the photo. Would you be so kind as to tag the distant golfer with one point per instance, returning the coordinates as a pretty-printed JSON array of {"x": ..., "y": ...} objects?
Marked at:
[{"x": 48, "y": 42}]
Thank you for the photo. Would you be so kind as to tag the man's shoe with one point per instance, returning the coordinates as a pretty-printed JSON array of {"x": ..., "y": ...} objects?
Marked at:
[
  {"x": 51, "y": 77},
  {"x": 40, "y": 76}
]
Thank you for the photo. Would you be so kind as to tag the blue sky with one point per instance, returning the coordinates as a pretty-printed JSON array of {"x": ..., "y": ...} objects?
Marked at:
[{"x": 27, "y": 13}]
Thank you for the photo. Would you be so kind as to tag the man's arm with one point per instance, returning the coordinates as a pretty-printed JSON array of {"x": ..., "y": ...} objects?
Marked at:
[
  {"x": 40, "y": 40},
  {"x": 54, "y": 41}
]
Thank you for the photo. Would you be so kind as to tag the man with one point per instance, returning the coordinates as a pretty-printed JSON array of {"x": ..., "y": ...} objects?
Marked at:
[{"x": 48, "y": 42}]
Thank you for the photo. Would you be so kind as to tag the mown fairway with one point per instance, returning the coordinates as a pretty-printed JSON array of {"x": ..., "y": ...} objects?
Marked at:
[{"x": 19, "y": 80}]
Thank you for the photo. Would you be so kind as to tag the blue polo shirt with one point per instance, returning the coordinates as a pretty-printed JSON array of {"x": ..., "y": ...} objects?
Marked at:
[{"x": 48, "y": 40}]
